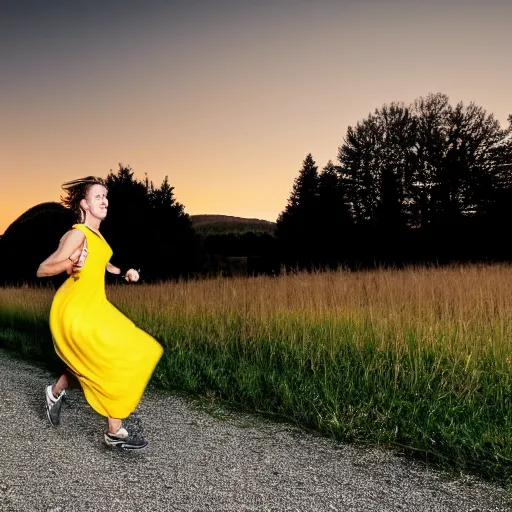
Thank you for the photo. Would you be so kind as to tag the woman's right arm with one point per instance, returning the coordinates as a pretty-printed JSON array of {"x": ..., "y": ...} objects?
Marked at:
[{"x": 66, "y": 255}]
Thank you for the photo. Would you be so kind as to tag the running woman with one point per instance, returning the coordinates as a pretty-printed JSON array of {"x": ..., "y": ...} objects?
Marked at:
[{"x": 112, "y": 359}]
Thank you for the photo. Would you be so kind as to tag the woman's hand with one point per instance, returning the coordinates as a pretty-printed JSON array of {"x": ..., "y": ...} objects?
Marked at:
[
  {"x": 132, "y": 276},
  {"x": 77, "y": 259},
  {"x": 69, "y": 266},
  {"x": 75, "y": 255}
]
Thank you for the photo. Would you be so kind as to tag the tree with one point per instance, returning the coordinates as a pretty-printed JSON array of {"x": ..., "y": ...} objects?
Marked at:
[
  {"x": 172, "y": 232},
  {"x": 147, "y": 228},
  {"x": 496, "y": 211},
  {"x": 359, "y": 169},
  {"x": 431, "y": 115},
  {"x": 334, "y": 219},
  {"x": 297, "y": 225},
  {"x": 429, "y": 166},
  {"x": 377, "y": 165},
  {"x": 127, "y": 226}
]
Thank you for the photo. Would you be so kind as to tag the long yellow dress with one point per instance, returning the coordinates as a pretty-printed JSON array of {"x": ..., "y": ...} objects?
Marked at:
[{"x": 111, "y": 357}]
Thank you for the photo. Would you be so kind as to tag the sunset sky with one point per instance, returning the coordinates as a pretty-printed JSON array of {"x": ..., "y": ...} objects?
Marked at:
[{"x": 226, "y": 97}]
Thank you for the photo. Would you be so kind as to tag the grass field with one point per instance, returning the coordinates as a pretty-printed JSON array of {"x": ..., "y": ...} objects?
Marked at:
[{"x": 419, "y": 358}]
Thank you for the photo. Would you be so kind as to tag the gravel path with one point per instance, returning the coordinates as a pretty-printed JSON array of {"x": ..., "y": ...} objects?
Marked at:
[{"x": 197, "y": 463}]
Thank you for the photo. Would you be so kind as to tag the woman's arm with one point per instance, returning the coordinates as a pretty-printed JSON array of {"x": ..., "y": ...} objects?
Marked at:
[
  {"x": 113, "y": 269},
  {"x": 66, "y": 255},
  {"x": 131, "y": 275}
]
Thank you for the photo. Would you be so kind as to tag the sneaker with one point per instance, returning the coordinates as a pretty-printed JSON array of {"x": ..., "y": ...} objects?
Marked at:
[
  {"x": 53, "y": 405},
  {"x": 122, "y": 439}
]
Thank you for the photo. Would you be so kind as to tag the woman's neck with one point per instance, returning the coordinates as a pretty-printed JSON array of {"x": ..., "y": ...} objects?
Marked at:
[{"x": 92, "y": 224}]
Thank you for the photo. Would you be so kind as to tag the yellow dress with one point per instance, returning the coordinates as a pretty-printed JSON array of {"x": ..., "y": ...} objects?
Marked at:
[{"x": 111, "y": 357}]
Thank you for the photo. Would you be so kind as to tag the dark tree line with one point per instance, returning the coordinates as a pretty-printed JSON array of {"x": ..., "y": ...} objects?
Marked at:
[
  {"x": 427, "y": 182},
  {"x": 145, "y": 226}
]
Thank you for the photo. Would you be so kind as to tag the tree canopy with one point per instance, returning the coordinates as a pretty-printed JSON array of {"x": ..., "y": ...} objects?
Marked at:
[{"x": 413, "y": 183}]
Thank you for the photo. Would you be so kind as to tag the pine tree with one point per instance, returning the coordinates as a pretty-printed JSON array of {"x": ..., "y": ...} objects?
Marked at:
[
  {"x": 334, "y": 219},
  {"x": 297, "y": 225},
  {"x": 174, "y": 236},
  {"x": 147, "y": 228}
]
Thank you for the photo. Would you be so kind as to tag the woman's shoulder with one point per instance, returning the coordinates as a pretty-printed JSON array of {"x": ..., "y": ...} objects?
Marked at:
[
  {"x": 77, "y": 230},
  {"x": 79, "y": 227},
  {"x": 74, "y": 234}
]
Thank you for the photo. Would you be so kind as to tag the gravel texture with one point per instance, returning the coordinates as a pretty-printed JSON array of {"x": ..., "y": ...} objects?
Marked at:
[{"x": 195, "y": 462}]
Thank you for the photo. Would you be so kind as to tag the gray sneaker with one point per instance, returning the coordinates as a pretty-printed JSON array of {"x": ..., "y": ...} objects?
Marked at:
[
  {"x": 122, "y": 439},
  {"x": 53, "y": 405}
]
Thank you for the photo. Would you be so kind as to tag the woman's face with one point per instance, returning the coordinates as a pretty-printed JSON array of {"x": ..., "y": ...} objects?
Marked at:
[{"x": 96, "y": 202}]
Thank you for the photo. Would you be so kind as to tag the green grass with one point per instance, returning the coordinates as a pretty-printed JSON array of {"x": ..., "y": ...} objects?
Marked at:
[{"x": 434, "y": 403}]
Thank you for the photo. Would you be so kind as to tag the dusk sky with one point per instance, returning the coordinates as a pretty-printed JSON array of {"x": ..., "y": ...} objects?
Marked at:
[{"x": 225, "y": 97}]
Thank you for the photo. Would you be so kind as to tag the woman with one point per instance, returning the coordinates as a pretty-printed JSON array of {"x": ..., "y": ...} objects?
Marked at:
[{"x": 112, "y": 359}]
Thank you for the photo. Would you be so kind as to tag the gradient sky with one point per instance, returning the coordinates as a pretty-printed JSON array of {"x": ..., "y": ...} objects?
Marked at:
[{"x": 226, "y": 97}]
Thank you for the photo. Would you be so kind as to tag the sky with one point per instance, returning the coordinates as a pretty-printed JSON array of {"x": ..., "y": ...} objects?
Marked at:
[{"x": 224, "y": 97}]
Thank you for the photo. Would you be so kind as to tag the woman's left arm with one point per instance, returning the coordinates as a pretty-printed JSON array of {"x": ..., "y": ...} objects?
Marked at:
[
  {"x": 113, "y": 269},
  {"x": 131, "y": 275}
]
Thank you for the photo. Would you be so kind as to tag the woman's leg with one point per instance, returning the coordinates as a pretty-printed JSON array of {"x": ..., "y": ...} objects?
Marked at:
[
  {"x": 61, "y": 385},
  {"x": 114, "y": 424},
  {"x": 54, "y": 395}
]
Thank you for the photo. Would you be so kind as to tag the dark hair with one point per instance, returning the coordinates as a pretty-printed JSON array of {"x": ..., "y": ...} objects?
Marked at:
[{"x": 76, "y": 190}]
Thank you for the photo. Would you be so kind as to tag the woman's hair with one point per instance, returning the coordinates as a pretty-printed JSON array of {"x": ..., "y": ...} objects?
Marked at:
[{"x": 76, "y": 190}]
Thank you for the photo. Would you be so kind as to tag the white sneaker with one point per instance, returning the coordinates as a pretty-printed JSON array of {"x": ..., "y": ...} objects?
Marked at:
[{"x": 53, "y": 405}]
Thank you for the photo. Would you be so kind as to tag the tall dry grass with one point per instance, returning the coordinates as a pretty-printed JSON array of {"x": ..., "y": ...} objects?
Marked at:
[
  {"x": 417, "y": 357},
  {"x": 459, "y": 310}
]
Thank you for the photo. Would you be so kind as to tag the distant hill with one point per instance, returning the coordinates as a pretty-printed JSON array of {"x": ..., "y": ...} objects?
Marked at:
[
  {"x": 45, "y": 210},
  {"x": 217, "y": 224},
  {"x": 31, "y": 238}
]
